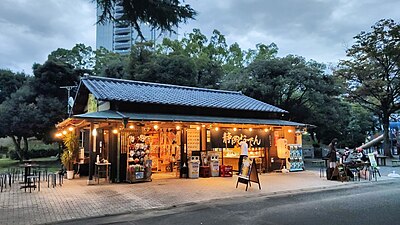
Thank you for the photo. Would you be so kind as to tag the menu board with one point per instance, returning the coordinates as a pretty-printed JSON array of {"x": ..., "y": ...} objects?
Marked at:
[
  {"x": 248, "y": 173},
  {"x": 193, "y": 140}
]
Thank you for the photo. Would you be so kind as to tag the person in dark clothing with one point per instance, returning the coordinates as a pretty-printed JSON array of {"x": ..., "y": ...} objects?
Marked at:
[
  {"x": 332, "y": 153},
  {"x": 332, "y": 160}
]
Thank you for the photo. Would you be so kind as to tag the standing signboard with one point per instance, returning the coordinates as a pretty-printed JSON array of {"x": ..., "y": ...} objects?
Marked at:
[{"x": 248, "y": 173}]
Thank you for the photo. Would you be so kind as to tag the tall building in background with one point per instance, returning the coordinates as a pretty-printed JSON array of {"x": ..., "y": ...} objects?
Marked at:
[{"x": 119, "y": 37}]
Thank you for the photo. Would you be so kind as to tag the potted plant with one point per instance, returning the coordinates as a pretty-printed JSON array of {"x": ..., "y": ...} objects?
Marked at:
[{"x": 70, "y": 152}]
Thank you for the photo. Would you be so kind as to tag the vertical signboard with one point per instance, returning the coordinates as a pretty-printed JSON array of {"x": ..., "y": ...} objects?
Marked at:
[{"x": 193, "y": 140}]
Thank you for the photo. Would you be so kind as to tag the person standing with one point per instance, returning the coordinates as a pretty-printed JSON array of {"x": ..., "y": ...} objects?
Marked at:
[
  {"x": 244, "y": 151},
  {"x": 332, "y": 153},
  {"x": 332, "y": 159}
]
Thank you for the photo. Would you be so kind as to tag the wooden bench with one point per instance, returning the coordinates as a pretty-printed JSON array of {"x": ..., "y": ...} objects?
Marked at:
[
  {"x": 319, "y": 163},
  {"x": 396, "y": 162}
]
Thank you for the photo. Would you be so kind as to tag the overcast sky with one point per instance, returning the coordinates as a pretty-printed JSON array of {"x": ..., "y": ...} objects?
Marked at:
[{"x": 316, "y": 29}]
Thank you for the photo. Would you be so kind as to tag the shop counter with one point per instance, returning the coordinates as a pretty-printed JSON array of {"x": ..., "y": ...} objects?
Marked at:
[{"x": 234, "y": 161}]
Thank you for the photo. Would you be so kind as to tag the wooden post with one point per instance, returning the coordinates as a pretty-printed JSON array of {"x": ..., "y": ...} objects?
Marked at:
[{"x": 91, "y": 156}]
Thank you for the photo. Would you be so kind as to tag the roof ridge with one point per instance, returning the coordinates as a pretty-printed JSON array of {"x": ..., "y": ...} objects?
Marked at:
[{"x": 162, "y": 85}]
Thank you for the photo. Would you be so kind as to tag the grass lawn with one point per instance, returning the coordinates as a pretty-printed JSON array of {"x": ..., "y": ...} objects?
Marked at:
[{"x": 52, "y": 163}]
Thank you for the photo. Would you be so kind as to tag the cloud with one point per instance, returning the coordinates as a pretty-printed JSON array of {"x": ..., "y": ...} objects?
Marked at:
[
  {"x": 33, "y": 29},
  {"x": 316, "y": 29}
]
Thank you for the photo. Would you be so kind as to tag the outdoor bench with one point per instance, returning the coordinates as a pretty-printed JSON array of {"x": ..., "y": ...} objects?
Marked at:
[{"x": 395, "y": 162}]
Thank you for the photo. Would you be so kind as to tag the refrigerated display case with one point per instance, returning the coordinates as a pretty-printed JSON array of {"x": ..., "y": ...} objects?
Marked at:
[{"x": 296, "y": 160}]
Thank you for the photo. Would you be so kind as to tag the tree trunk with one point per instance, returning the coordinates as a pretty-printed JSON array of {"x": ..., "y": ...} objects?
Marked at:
[
  {"x": 25, "y": 146},
  {"x": 17, "y": 145},
  {"x": 386, "y": 141}
]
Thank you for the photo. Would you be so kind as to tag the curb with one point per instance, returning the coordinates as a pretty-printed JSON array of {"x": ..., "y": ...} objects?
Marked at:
[{"x": 157, "y": 211}]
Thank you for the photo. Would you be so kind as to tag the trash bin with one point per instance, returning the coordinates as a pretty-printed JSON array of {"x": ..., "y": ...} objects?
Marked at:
[
  {"x": 214, "y": 165},
  {"x": 184, "y": 171},
  {"x": 194, "y": 166}
]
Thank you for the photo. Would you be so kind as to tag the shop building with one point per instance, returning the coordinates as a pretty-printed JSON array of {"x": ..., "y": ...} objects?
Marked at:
[{"x": 138, "y": 128}]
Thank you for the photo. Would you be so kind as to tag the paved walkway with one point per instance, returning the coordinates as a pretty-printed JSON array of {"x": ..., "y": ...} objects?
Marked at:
[{"x": 75, "y": 199}]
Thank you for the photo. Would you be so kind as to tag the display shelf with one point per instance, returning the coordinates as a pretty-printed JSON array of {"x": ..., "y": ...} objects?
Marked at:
[{"x": 138, "y": 169}]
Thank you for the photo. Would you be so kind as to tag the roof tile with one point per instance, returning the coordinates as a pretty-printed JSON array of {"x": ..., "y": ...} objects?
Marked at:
[{"x": 110, "y": 89}]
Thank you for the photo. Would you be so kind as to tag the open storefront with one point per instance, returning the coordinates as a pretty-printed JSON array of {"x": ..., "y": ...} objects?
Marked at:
[{"x": 135, "y": 129}]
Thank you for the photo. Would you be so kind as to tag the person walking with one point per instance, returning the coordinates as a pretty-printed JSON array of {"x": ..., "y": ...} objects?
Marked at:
[{"x": 244, "y": 151}]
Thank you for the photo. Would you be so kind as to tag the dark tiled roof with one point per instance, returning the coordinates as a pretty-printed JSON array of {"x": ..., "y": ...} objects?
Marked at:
[
  {"x": 109, "y": 89},
  {"x": 110, "y": 114}
]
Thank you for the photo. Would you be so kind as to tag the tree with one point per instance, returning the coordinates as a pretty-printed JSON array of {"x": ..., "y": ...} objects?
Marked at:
[
  {"x": 158, "y": 14},
  {"x": 9, "y": 83},
  {"x": 372, "y": 72},
  {"x": 18, "y": 119},
  {"x": 110, "y": 64},
  {"x": 169, "y": 70},
  {"x": 231, "y": 58},
  {"x": 359, "y": 125},
  {"x": 37, "y": 105},
  {"x": 81, "y": 57},
  {"x": 50, "y": 99},
  {"x": 296, "y": 85},
  {"x": 172, "y": 67}
]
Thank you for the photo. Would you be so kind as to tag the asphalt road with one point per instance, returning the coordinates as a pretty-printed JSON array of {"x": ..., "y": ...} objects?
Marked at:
[{"x": 377, "y": 203}]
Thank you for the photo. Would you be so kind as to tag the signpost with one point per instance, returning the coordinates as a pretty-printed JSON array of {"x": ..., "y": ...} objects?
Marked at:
[{"x": 248, "y": 173}]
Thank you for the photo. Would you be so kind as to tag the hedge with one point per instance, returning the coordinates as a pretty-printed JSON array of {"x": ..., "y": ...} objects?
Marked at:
[{"x": 35, "y": 153}]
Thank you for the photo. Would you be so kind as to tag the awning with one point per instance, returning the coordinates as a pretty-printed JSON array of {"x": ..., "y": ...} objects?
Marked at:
[
  {"x": 372, "y": 142},
  {"x": 115, "y": 115}
]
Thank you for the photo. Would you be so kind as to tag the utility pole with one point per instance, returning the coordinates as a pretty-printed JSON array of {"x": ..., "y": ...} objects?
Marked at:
[{"x": 70, "y": 101}]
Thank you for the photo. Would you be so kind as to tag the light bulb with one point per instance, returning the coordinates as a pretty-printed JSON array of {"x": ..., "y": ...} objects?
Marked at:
[{"x": 94, "y": 132}]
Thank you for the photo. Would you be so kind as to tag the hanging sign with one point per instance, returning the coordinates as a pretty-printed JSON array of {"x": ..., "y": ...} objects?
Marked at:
[
  {"x": 229, "y": 138},
  {"x": 92, "y": 104}
]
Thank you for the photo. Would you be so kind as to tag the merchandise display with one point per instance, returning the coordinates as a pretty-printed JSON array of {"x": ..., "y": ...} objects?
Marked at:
[{"x": 138, "y": 157}]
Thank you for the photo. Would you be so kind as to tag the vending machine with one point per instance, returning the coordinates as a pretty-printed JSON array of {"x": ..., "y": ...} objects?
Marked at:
[
  {"x": 214, "y": 165},
  {"x": 296, "y": 161},
  {"x": 194, "y": 166}
]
